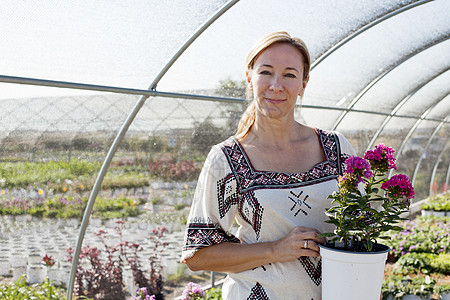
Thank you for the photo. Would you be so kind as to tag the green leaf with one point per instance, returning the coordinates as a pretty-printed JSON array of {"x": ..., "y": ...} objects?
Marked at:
[{"x": 326, "y": 234}]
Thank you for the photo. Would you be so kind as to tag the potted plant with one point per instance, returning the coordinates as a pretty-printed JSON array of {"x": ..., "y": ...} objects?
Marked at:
[
  {"x": 438, "y": 206},
  {"x": 367, "y": 204}
]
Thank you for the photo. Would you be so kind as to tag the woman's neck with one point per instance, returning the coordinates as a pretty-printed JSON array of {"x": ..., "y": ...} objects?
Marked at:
[{"x": 275, "y": 133}]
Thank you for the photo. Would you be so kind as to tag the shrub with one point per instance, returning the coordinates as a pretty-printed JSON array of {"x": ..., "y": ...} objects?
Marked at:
[
  {"x": 100, "y": 278},
  {"x": 174, "y": 170},
  {"x": 205, "y": 135}
]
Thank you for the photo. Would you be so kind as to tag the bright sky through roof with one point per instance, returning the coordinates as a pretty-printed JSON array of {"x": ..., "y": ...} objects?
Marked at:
[{"x": 117, "y": 44}]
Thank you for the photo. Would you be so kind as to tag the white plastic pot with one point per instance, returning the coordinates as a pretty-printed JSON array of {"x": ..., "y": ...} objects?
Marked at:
[
  {"x": 350, "y": 275},
  {"x": 414, "y": 297},
  {"x": 36, "y": 274}
]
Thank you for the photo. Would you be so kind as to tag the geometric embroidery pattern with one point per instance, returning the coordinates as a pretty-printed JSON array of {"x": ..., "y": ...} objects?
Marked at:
[
  {"x": 258, "y": 293},
  {"x": 249, "y": 179},
  {"x": 314, "y": 272},
  {"x": 301, "y": 203},
  {"x": 343, "y": 166},
  {"x": 251, "y": 211},
  {"x": 227, "y": 194},
  {"x": 201, "y": 234}
]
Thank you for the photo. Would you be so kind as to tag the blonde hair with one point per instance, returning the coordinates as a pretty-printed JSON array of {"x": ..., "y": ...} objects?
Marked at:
[{"x": 279, "y": 37}]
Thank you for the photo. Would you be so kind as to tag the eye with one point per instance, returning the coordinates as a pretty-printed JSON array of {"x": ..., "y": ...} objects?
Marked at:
[
  {"x": 290, "y": 75},
  {"x": 264, "y": 72}
]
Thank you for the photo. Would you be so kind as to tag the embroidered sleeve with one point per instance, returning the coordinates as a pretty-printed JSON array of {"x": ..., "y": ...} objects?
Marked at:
[{"x": 213, "y": 208}]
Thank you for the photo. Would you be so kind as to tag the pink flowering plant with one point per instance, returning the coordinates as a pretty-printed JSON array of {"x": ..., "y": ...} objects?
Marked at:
[
  {"x": 193, "y": 291},
  {"x": 363, "y": 185},
  {"x": 142, "y": 294}
]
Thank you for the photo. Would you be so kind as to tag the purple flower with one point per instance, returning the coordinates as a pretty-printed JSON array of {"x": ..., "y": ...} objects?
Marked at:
[
  {"x": 192, "y": 291},
  {"x": 381, "y": 158},
  {"x": 399, "y": 187},
  {"x": 356, "y": 169},
  {"x": 141, "y": 294}
]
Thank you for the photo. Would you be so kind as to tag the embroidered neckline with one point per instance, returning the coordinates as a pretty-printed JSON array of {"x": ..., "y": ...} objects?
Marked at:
[
  {"x": 319, "y": 134},
  {"x": 248, "y": 178}
]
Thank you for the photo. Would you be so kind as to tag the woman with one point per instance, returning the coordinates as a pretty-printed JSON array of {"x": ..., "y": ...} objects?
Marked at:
[{"x": 272, "y": 178}]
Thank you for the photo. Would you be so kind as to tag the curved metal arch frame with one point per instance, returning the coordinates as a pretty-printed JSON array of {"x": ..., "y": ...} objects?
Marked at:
[
  {"x": 118, "y": 139},
  {"x": 425, "y": 149},
  {"x": 382, "y": 75},
  {"x": 365, "y": 28},
  {"x": 413, "y": 129},
  {"x": 400, "y": 105},
  {"x": 433, "y": 174},
  {"x": 448, "y": 175}
]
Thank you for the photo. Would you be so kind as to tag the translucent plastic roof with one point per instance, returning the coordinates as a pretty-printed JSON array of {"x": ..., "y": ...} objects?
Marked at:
[{"x": 380, "y": 71}]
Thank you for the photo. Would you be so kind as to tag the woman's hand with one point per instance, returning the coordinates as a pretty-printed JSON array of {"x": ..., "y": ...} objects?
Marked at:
[
  {"x": 301, "y": 241},
  {"x": 234, "y": 257}
]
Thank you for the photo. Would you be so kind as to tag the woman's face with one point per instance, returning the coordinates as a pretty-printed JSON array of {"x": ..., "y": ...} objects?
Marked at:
[{"x": 276, "y": 80}]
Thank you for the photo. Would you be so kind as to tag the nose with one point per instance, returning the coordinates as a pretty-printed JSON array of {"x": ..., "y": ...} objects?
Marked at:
[{"x": 275, "y": 84}]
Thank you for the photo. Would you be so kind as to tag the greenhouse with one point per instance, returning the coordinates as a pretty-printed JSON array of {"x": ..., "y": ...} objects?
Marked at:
[{"x": 109, "y": 109}]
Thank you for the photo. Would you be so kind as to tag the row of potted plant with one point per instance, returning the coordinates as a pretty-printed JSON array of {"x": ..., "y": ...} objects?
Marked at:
[
  {"x": 66, "y": 206},
  {"x": 438, "y": 205},
  {"x": 81, "y": 174},
  {"x": 420, "y": 260}
]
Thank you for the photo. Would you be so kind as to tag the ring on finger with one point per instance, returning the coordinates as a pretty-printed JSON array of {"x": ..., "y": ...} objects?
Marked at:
[{"x": 305, "y": 245}]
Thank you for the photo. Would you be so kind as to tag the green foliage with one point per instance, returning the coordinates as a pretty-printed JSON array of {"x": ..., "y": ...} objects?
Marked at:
[
  {"x": 24, "y": 174},
  {"x": 157, "y": 144},
  {"x": 422, "y": 261},
  {"x": 116, "y": 208},
  {"x": 66, "y": 207},
  {"x": 423, "y": 235},
  {"x": 213, "y": 294},
  {"x": 179, "y": 206},
  {"x": 359, "y": 223},
  {"x": 356, "y": 220},
  {"x": 425, "y": 263},
  {"x": 19, "y": 290},
  {"x": 398, "y": 286},
  {"x": 441, "y": 263},
  {"x": 129, "y": 180}
]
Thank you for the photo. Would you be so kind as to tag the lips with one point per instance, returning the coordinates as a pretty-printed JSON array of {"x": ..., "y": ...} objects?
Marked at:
[{"x": 271, "y": 100}]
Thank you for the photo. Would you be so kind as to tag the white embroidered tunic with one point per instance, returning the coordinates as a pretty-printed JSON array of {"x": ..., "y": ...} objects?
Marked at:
[{"x": 266, "y": 206}]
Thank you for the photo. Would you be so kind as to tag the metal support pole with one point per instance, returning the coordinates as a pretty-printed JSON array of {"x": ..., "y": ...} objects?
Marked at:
[
  {"x": 438, "y": 160},
  {"x": 424, "y": 151},
  {"x": 213, "y": 279}
]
